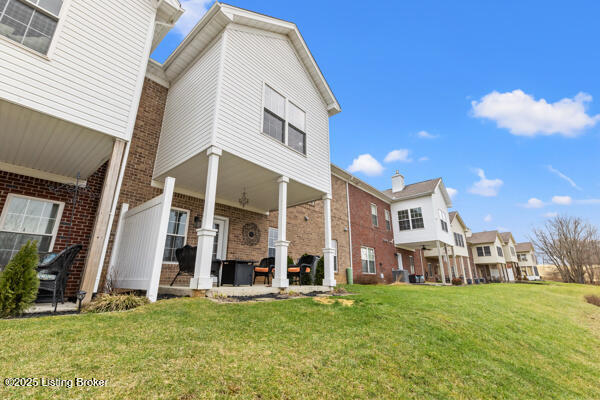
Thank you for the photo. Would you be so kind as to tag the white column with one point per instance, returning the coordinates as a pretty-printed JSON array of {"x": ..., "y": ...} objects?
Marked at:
[
  {"x": 281, "y": 245},
  {"x": 462, "y": 260},
  {"x": 450, "y": 270},
  {"x": 206, "y": 234},
  {"x": 328, "y": 251},
  {"x": 441, "y": 261}
]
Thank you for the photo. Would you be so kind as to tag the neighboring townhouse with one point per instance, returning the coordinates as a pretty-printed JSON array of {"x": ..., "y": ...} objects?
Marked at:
[
  {"x": 510, "y": 255},
  {"x": 232, "y": 126},
  {"x": 71, "y": 74},
  {"x": 420, "y": 221},
  {"x": 527, "y": 261},
  {"x": 487, "y": 255}
]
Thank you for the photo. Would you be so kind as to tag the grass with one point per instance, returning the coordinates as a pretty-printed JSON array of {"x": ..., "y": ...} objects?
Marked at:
[{"x": 489, "y": 341}]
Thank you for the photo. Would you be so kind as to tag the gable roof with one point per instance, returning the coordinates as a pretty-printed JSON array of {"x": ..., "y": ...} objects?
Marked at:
[
  {"x": 413, "y": 190},
  {"x": 455, "y": 214},
  {"x": 524, "y": 247},
  {"x": 218, "y": 17},
  {"x": 483, "y": 237},
  {"x": 506, "y": 236}
]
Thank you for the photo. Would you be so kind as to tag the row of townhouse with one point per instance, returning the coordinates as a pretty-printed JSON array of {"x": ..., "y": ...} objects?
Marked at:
[{"x": 225, "y": 146}]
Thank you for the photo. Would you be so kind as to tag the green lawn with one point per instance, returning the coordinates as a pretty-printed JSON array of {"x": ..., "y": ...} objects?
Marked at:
[{"x": 487, "y": 341}]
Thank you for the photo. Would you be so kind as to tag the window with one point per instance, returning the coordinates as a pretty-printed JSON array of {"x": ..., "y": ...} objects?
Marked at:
[
  {"x": 416, "y": 218},
  {"x": 522, "y": 257},
  {"x": 484, "y": 251},
  {"x": 499, "y": 250},
  {"x": 291, "y": 132},
  {"x": 512, "y": 251},
  {"x": 388, "y": 220},
  {"x": 444, "y": 225},
  {"x": 176, "y": 233},
  {"x": 444, "y": 220},
  {"x": 31, "y": 23},
  {"x": 404, "y": 220},
  {"x": 411, "y": 260},
  {"x": 459, "y": 239},
  {"x": 272, "y": 239},
  {"x": 335, "y": 255},
  {"x": 367, "y": 256},
  {"x": 27, "y": 218},
  {"x": 374, "y": 219}
]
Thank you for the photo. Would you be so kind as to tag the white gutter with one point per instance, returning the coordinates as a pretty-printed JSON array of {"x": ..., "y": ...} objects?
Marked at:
[{"x": 112, "y": 215}]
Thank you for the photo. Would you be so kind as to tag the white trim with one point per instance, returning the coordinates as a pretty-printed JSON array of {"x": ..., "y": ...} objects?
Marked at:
[
  {"x": 185, "y": 232},
  {"x": 223, "y": 235},
  {"x": 59, "y": 27},
  {"x": 61, "y": 206},
  {"x": 374, "y": 260},
  {"x": 36, "y": 173}
]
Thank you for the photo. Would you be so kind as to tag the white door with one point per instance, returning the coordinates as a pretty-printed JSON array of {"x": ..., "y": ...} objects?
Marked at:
[{"x": 221, "y": 224}]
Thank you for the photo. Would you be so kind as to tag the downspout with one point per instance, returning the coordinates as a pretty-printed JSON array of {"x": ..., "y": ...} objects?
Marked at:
[
  {"x": 112, "y": 215},
  {"x": 349, "y": 225}
]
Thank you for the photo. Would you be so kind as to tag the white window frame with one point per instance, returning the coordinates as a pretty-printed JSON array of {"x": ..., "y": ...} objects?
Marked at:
[
  {"x": 388, "y": 220},
  {"x": 223, "y": 235},
  {"x": 499, "y": 251},
  {"x": 374, "y": 222},
  {"x": 61, "y": 206},
  {"x": 286, "y": 120},
  {"x": 370, "y": 250},
  {"x": 411, "y": 261},
  {"x": 334, "y": 245},
  {"x": 187, "y": 226},
  {"x": 59, "y": 25},
  {"x": 268, "y": 235}
]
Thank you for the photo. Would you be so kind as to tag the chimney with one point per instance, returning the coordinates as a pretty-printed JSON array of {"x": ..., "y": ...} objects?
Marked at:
[{"x": 397, "y": 182}]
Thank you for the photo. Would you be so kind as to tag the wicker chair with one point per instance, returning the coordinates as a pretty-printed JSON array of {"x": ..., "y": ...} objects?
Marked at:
[
  {"x": 186, "y": 258},
  {"x": 306, "y": 265},
  {"x": 53, "y": 273},
  {"x": 265, "y": 268}
]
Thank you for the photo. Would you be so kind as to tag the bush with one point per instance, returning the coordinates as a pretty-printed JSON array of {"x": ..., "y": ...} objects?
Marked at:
[
  {"x": 290, "y": 260},
  {"x": 593, "y": 299},
  {"x": 115, "y": 302},
  {"x": 457, "y": 281},
  {"x": 320, "y": 272},
  {"x": 19, "y": 282}
]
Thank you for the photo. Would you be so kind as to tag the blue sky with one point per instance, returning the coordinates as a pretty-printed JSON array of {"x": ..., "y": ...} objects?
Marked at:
[{"x": 507, "y": 91}]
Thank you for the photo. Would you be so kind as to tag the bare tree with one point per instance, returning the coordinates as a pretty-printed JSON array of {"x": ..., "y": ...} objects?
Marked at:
[{"x": 573, "y": 246}]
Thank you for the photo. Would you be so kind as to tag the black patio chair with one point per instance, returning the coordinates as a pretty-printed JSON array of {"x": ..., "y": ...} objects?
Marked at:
[
  {"x": 307, "y": 264},
  {"x": 54, "y": 272},
  {"x": 186, "y": 259},
  {"x": 265, "y": 268}
]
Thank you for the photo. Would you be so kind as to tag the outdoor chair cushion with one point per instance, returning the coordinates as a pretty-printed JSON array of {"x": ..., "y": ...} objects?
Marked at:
[
  {"x": 297, "y": 269},
  {"x": 45, "y": 276},
  {"x": 261, "y": 269}
]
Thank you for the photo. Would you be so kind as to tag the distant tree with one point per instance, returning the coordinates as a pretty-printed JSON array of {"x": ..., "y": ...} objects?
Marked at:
[{"x": 572, "y": 245}]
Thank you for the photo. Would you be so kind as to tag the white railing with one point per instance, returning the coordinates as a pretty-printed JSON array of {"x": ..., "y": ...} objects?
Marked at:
[{"x": 136, "y": 259}]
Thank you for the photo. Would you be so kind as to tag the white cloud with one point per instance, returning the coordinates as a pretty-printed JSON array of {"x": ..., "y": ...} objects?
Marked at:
[
  {"x": 398, "y": 155},
  {"x": 563, "y": 176},
  {"x": 534, "y": 203},
  {"x": 194, "y": 10},
  {"x": 488, "y": 218},
  {"x": 424, "y": 158},
  {"x": 550, "y": 214},
  {"x": 562, "y": 200},
  {"x": 366, "y": 164},
  {"x": 451, "y": 192},
  {"x": 485, "y": 187},
  {"x": 426, "y": 135},
  {"x": 522, "y": 115},
  {"x": 588, "y": 201}
]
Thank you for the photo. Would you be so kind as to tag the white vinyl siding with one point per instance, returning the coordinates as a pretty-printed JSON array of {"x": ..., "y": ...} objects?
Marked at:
[
  {"x": 96, "y": 64},
  {"x": 176, "y": 233},
  {"x": 254, "y": 59},
  {"x": 27, "y": 218},
  {"x": 367, "y": 256},
  {"x": 189, "y": 112}
]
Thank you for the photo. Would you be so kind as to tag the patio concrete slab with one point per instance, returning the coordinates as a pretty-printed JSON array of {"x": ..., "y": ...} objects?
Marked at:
[{"x": 47, "y": 307}]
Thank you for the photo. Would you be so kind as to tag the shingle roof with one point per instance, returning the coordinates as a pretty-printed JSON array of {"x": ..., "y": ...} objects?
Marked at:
[
  {"x": 452, "y": 215},
  {"x": 483, "y": 237},
  {"x": 505, "y": 236},
  {"x": 414, "y": 190},
  {"x": 523, "y": 247}
]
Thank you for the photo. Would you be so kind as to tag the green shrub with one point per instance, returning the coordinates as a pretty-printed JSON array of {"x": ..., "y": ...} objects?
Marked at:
[
  {"x": 457, "y": 281},
  {"x": 320, "y": 273},
  {"x": 115, "y": 302},
  {"x": 290, "y": 260},
  {"x": 19, "y": 282}
]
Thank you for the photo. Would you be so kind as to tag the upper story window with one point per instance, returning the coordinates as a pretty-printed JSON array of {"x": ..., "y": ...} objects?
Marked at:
[
  {"x": 459, "y": 240},
  {"x": 443, "y": 220},
  {"x": 283, "y": 120},
  {"x": 374, "y": 218},
  {"x": 410, "y": 219},
  {"x": 31, "y": 23},
  {"x": 499, "y": 249},
  {"x": 484, "y": 251},
  {"x": 512, "y": 251},
  {"x": 176, "y": 234},
  {"x": 27, "y": 218},
  {"x": 522, "y": 257},
  {"x": 388, "y": 220}
]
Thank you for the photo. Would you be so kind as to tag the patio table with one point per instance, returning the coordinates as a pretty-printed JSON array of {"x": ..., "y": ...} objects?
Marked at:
[{"x": 237, "y": 272}]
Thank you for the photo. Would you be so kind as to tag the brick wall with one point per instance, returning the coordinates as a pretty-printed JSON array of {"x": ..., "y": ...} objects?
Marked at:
[
  {"x": 137, "y": 189},
  {"x": 83, "y": 216}
]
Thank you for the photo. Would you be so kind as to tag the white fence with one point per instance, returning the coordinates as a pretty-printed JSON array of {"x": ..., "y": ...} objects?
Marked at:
[{"x": 137, "y": 255}]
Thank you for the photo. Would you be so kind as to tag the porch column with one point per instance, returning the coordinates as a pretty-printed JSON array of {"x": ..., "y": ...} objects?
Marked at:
[
  {"x": 206, "y": 234},
  {"x": 441, "y": 261},
  {"x": 281, "y": 245},
  {"x": 328, "y": 251},
  {"x": 450, "y": 270},
  {"x": 462, "y": 260}
]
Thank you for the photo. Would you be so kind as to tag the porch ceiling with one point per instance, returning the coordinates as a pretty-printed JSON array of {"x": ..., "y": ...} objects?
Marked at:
[
  {"x": 429, "y": 244},
  {"x": 41, "y": 142},
  {"x": 235, "y": 176}
]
